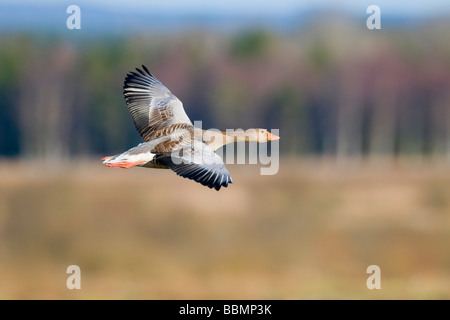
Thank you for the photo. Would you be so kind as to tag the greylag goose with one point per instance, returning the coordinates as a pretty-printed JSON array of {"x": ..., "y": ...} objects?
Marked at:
[{"x": 170, "y": 139}]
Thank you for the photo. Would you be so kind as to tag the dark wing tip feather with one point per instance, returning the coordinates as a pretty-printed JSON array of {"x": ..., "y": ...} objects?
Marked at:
[
  {"x": 211, "y": 180},
  {"x": 211, "y": 177},
  {"x": 146, "y": 70},
  {"x": 141, "y": 72},
  {"x": 140, "y": 75}
]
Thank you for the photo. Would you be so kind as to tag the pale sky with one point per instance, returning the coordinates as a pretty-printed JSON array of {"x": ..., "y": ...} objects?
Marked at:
[{"x": 404, "y": 7}]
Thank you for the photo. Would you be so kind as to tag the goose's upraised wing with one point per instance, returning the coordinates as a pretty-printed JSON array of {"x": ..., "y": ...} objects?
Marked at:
[{"x": 151, "y": 104}]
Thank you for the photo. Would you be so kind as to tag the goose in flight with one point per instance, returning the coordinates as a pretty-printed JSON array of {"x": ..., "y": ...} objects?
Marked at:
[{"x": 170, "y": 139}]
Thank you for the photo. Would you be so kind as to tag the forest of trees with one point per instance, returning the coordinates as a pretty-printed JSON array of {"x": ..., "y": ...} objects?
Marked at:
[{"x": 340, "y": 92}]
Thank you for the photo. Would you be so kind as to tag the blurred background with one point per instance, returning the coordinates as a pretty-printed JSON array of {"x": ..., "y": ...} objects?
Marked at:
[{"x": 364, "y": 120}]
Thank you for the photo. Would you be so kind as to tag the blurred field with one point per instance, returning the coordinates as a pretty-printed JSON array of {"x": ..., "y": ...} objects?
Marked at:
[{"x": 308, "y": 232}]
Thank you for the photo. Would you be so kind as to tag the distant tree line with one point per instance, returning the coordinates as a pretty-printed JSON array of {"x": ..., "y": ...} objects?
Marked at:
[{"x": 345, "y": 92}]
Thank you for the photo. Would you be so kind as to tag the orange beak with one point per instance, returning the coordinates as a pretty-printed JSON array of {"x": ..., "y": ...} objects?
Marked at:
[{"x": 271, "y": 137}]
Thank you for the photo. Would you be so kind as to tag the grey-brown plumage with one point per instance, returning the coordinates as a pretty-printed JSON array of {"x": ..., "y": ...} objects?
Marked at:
[
  {"x": 152, "y": 106},
  {"x": 170, "y": 139}
]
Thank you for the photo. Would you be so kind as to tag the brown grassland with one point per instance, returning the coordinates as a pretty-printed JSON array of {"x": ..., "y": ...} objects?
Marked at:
[{"x": 308, "y": 232}]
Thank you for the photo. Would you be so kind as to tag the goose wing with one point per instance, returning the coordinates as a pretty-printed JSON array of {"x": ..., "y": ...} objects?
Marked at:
[
  {"x": 152, "y": 106},
  {"x": 198, "y": 162}
]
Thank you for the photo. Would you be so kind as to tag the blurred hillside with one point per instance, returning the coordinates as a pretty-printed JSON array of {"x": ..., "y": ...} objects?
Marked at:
[{"x": 332, "y": 88}]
